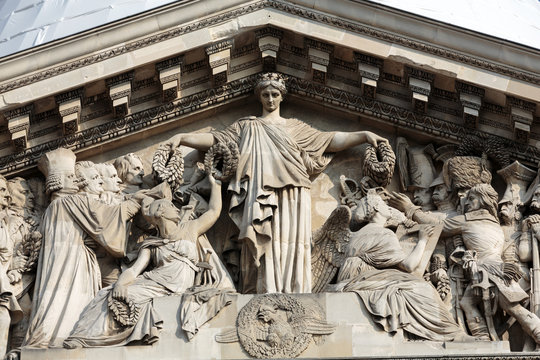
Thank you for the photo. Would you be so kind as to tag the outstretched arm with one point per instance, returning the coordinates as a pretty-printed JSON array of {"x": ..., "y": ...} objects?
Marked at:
[
  {"x": 199, "y": 141},
  {"x": 345, "y": 140},
  {"x": 206, "y": 220}
]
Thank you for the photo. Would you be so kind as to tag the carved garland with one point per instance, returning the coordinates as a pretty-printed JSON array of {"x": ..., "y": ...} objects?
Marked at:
[
  {"x": 224, "y": 154},
  {"x": 168, "y": 165},
  {"x": 291, "y": 9}
]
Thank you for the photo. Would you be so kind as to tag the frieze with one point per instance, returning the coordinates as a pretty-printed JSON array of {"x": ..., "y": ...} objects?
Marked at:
[
  {"x": 143, "y": 99},
  {"x": 118, "y": 79},
  {"x": 293, "y": 65},
  {"x": 470, "y": 89},
  {"x": 269, "y": 31},
  {"x": 121, "y": 94},
  {"x": 495, "y": 124},
  {"x": 494, "y": 108},
  {"x": 43, "y": 132},
  {"x": 71, "y": 110},
  {"x": 44, "y": 116},
  {"x": 444, "y": 109},
  {"x": 420, "y": 74},
  {"x": 295, "y": 50},
  {"x": 420, "y": 90},
  {"x": 95, "y": 115},
  {"x": 192, "y": 83},
  {"x": 174, "y": 61},
  {"x": 289, "y": 8},
  {"x": 343, "y": 65},
  {"x": 244, "y": 50},
  {"x": 315, "y": 44},
  {"x": 393, "y": 78},
  {"x": 196, "y": 66},
  {"x": 141, "y": 84},
  {"x": 367, "y": 59},
  {"x": 393, "y": 94},
  {"x": 244, "y": 66},
  {"x": 343, "y": 79},
  {"x": 335, "y": 98},
  {"x": 444, "y": 94},
  {"x": 23, "y": 110},
  {"x": 70, "y": 95},
  {"x": 219, "y": 46},
  {"x": 104, "y": 96},
  {"x": 522, "y": 104}
]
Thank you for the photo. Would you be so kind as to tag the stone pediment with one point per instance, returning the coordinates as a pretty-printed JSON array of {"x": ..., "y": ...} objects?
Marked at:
[{"x": 376, "y": 101}]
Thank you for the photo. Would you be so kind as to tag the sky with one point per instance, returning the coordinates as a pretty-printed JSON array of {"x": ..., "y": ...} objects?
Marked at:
[{"x": 28, "y": 23}]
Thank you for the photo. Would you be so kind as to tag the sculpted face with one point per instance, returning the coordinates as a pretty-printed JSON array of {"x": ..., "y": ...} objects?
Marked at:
[
  {"x": 472, "y": 202},
  {"x": 535, "y": 201},
  {"x": 111, "y": 181},
  {"x": 4, "y": 194},
  {"x": 507, "y": 212},
  {"x": 95, "y": 183},
  {"x": 69, "y": 181},
  {"x": 422, "y": 197},
  {"x": 440, "y": 193},
  {"x": 270, "y": 98},
  {"x": 135, "y": 174},
  {"x": 21, "y": 195}
]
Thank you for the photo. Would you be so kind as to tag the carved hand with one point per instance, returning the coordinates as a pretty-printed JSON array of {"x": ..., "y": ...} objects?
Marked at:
[
  {"x": 174, "y": 141},
  {"x": 399, "y": 201},
  {"x": 374, "y": 139},
  {"x": 19, "y": 261},
  {"x": 14, "y": 276},
  {"x": 426, "y": 232},
  {"x": 213, "y": 181},
  {"x": 120, "y": 292}
]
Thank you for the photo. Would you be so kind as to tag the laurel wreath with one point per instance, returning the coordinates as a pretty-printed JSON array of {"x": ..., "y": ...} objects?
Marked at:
[
  {"x": 125, "y": 314},
  {"x": 168, "y": 165},
  {"x": 221, "y": 160},
  {"x": 380, "y": 171}
]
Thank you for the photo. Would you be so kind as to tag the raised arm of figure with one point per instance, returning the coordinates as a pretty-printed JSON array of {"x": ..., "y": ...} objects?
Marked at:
[
  {"x": 199, "y": 141},
  {"x": 206, "y": 220},
  {"x": 346, "y": 140}
]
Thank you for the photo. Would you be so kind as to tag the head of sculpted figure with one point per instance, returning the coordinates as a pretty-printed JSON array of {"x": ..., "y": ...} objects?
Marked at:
[
  {"x": 58, "y": 166},
  {"x": 482, "y": 196},
  {"x": 111, "y": 180},
  {"x": 367, "y": 207},
  {"x": 158, "y": 212},
  {"x": 21, "y": 194},
  {"x": 270, "y": 90},
  {"x": 130, "y": 169},
  {"x": 88, "y": 177},
  {"x": 4, "y": 193}
]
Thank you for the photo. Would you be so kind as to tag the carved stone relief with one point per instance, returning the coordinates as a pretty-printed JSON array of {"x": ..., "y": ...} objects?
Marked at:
[{"x": 115, "y": 240}]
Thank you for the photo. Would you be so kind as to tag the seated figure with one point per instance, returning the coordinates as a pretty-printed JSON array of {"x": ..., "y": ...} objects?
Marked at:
[
  {"x": 378, "y": 270},
  {"x": 123, "y": 312}
]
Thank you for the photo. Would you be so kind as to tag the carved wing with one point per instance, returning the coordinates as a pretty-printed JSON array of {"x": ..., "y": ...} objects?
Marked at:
[
  {"x": 227, "y": 336},
  {"x": 318, "y": 327},
  {"x": 329, "y": 246}
]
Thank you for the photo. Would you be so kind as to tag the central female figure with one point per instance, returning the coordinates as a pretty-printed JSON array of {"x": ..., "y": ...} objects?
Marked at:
[{"x": 271, "y": 203}]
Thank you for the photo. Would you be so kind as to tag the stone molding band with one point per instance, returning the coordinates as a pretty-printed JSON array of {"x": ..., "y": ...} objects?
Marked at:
[{"x": 290, "y": 9}]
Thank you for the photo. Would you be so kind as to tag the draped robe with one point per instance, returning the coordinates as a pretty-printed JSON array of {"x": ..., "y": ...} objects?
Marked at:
[
  {"x": 271, "y": 203},
  {"x": 396, "y": 299},
  {"x": 68, "y": 275}
]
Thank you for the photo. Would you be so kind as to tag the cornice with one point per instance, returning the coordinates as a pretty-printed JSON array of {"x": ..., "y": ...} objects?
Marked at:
[
  {"x": 288, "y": 8},
  {"x": 307, "y": 90}
]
